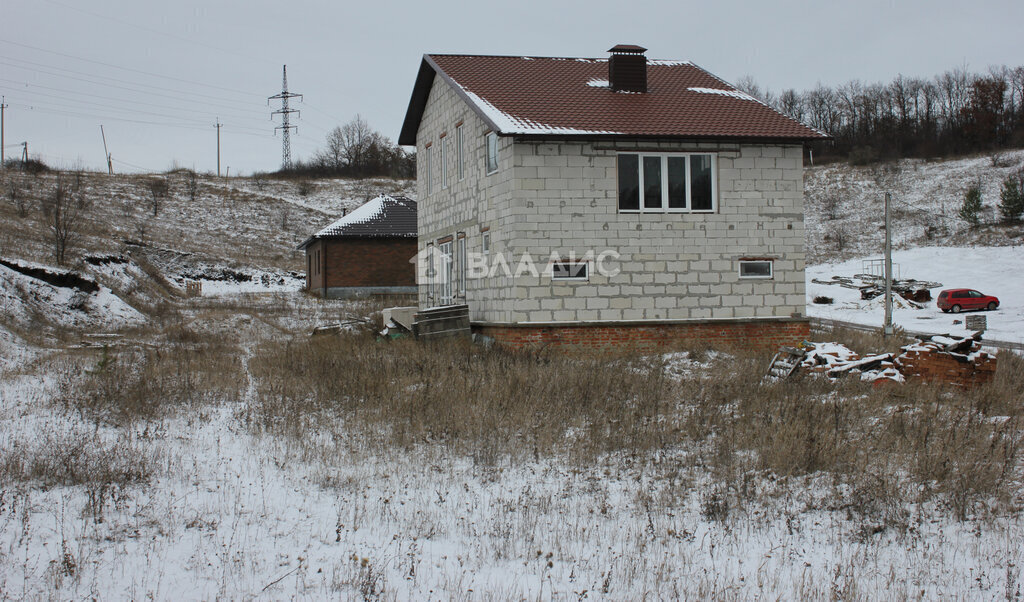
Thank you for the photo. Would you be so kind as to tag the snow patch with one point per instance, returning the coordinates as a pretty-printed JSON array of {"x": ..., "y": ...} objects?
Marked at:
[{"x": 729, "y": 93}]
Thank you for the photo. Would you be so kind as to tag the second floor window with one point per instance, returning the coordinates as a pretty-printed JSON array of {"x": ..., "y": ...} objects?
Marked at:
[
  {"x": 444, "y": 162},
  {"x": 428, "y": 168},
  {"x": 460, "y": 153},
  {"x": 492, "y": 152},
  {"x": 677, "y": 182}
]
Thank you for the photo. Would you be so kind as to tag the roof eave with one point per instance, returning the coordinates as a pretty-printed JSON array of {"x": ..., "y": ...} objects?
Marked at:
[
  {"x": 417, "y": 104},
  {"x": 600, "y": 136},
  {"x": 421, "y": 92}
]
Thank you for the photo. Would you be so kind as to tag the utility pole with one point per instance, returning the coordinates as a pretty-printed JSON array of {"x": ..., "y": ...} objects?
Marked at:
[
  {"x": 887, "y": 330},
  {"x": 218, "y": 126},
  {"x": 285, "y": 112},
  {"x": 24, "y": 154},
  {"x": 3, "y": 105},
  {"x": 106, "y": 153}
]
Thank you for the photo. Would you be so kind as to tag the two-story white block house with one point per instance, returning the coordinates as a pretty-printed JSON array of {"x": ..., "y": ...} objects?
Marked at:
[{"x": 601, "y": 202}]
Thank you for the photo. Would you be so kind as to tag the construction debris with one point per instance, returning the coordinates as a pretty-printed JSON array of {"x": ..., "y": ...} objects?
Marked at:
[
  {"x": 948, "y": 359},
  {"x": 871, "y": 286},
  {"x": 939, "y": 358}
]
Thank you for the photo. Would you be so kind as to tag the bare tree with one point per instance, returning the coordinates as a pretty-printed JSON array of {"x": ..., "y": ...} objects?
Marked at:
[
  {"x": 192, "y": 184},
  {"x": 63, "y": 211},
  {"x": 16, "y": 192},
  {"x": 158, "y": 190}
]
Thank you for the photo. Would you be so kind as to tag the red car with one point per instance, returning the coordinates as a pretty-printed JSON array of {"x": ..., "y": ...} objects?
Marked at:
[{"x": 964, "y": 299}]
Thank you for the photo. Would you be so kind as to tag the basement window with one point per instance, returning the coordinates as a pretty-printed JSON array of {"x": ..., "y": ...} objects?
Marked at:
[
  {"x": 491, "y": 140},
  {"x": 761, "y": 268},
  {"x": 569, "y": 270},
  {"x": 670, "y": 182}
]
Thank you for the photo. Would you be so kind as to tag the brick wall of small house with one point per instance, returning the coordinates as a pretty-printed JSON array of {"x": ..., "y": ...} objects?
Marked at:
[
  {"x": 361, "y": 262},
  {"x": 748, "y": 335},
  {"x": 370, "y": 262}
]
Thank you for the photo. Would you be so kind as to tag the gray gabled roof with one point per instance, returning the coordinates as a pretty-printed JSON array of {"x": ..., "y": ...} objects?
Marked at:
[{"x": 383, "y": 217}]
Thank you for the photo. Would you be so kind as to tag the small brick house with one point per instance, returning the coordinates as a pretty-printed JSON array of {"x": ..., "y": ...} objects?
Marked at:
[
  {"x": 366, "y": 252},
  {"x": 619, "y": 201}
]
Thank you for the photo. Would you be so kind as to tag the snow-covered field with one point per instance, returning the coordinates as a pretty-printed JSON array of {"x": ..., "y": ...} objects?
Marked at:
[{"x": 991, "y": 270}]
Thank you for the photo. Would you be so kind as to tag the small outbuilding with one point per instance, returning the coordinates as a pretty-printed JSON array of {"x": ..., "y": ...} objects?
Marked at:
[{"x": 366, "y": 252}]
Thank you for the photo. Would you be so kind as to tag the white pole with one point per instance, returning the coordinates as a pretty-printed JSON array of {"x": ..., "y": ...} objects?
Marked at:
[{"x": 888, "y": 330}]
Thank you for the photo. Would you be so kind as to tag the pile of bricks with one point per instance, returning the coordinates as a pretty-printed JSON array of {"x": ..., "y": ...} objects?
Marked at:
[
  {"x": 835, "y": 360},
  {"x": 948, "y": 359}
]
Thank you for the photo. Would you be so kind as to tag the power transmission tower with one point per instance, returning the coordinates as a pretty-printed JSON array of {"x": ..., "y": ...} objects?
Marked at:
[
  {"x": 285, "y": 112},
  {"x": 3, "y": 105}
]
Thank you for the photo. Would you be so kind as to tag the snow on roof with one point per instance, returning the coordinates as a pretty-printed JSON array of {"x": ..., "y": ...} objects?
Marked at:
[
  {"x": 729, "y": 93},
  {"x": 382, "y": 217},
  {"x": 372, "y": 210},
  {"x": 510, "y": 124}
]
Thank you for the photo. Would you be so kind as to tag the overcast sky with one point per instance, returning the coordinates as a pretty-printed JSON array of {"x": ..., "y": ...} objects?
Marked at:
[{"x": 158, "y": 75}]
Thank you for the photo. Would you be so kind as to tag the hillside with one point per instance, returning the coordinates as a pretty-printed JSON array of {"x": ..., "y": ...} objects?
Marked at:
[{"x": 845, "y": 205}]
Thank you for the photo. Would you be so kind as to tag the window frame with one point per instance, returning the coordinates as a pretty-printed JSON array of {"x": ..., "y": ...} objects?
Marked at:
[
  {"x": 665, "y": 200},
  {"x": 429, "y": 168},
  {"x": 488, "y": 137},
  {"x": 444, "y": 162},
  {"x": 460, "y": 151},
  {"x": 585, "y": 277},
  {"x": 743, "y": 262},
  {"x": 431, "y": 274},
  {"x": 485, "y": 242},
  {"x": 462, "y": 259}
]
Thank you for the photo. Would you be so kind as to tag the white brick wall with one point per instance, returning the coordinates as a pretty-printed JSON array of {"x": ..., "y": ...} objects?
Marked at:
[{"x": 551, "y": 197}]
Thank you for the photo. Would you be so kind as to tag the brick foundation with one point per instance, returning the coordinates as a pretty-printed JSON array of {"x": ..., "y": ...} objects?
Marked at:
[{"x": 752, "y": 335}]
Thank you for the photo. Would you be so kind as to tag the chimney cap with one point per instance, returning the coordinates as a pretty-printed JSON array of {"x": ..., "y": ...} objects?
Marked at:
[{"x": 627, "y": 49}]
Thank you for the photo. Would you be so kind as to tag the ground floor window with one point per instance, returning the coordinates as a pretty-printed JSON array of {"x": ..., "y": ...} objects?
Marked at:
[
  {"x": 756, "y": 268},
  {"x": 569, "y": 270},
  {"x": 672, "y": 182}
]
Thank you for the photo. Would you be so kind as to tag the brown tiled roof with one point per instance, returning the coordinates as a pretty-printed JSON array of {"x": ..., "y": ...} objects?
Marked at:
[
  {"x": 538, "y": 96},
  {"x": 382, "y": 217}
]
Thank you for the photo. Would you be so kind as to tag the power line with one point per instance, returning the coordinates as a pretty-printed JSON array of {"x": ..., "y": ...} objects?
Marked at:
[
  {"x": 113, "y": 66},
  {"x": 180, "y": 125},
  {"x": 163, "y": 91},
  {"x": 112, "y": 103},
  {"x": 151, "y": 30}
]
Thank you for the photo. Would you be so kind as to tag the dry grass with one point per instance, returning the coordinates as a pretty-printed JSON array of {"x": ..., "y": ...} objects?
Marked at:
[
  {"x": 888, "y": 445},
  {"x": 124, "y": 384}
]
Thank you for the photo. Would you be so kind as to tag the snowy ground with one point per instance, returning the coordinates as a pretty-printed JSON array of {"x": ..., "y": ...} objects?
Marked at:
[
  {"x": 232, "y": 514},
  {"x": 991, "y": 270}
]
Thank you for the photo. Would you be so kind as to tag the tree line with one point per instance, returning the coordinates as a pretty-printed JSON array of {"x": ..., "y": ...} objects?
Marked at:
[
  {"x": 356, "y": 150},
  {"x": 957, "y": 112}
]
